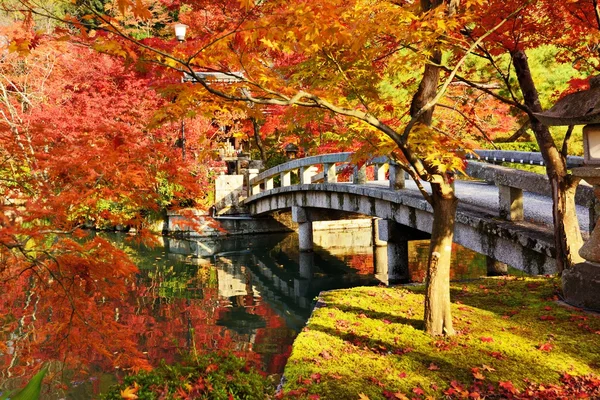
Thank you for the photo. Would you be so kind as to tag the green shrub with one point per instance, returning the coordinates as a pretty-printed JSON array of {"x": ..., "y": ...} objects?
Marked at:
[{"x": 207, "y": 376}]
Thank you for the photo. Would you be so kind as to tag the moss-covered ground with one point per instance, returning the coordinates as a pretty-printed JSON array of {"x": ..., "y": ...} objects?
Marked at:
[{"x": 514, "y": 338}]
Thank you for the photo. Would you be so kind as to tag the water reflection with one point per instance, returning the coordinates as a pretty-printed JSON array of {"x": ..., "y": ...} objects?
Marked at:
[{"x": 248, "y": 295}]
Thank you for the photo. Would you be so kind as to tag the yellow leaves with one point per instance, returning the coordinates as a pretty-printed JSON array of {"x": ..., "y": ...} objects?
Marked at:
[
  {"x": 247, "y": 4},
  {"x": 271, "y": 45},
  {"x": 22, "y": 47},
  {"x": 130, "y": 392},
  {"x": 362, "y": 396},
  {"x": 440, "y": 150}
]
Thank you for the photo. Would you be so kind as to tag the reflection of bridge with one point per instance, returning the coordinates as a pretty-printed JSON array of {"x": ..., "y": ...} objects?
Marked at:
[{"x": 495, "y": 217}]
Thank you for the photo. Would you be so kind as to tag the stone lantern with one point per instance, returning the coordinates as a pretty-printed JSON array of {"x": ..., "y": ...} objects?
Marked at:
[{"x": 581, "y": 284}]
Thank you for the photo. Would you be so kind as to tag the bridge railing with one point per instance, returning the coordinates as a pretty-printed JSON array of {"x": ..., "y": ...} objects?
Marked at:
[
  {"x": 511, "y": 182},
  {"x": 331, "y": 164},
  {"x": 519, "y": 157}
]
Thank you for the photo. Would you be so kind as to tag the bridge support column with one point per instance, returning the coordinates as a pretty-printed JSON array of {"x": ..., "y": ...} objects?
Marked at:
[
  {"x": 397, "y": 251},
  {"x": 305, "y": 228},
  {"x": 511, "y": 203},
  {"x": 307, "y": 264},
  {"x": 380, "y": 263},
  {"x": 375, "y": 240},
  {"x": 495, "y": 267},
  {"x": 397, "y": 180}
]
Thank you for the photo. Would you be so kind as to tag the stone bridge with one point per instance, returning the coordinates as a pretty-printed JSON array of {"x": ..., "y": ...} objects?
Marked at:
[{"x": 505, "y": 214}]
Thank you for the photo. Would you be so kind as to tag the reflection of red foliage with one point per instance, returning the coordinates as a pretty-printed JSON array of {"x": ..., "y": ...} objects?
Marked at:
[{"x": 362, "y": 263}]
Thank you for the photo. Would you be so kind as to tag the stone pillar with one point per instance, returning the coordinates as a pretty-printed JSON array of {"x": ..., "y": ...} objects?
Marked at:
[
  {"x": 269, "y": 183},
  {"x": 307, "y": 264},
  {"x": 380, "y": 170},
  {"x": 286, "y": 178},
  {"x": 397, "y": 180},
  {"x": 253, "y": 188},
  {"x": 306, "y": 174},
  {"x": 397, "y": 250},
  {"x": 495, "y": 267},
  {"x": 375, "y": 240},
  {"x": 305, "y": 228},
  {"x": 581, "y": 283},
  {"x": 360, "y": 175},
  {"x": 329, "y": 173},
  {"x": 380, "y": 261},
  {"x": 511, "y": 203}
]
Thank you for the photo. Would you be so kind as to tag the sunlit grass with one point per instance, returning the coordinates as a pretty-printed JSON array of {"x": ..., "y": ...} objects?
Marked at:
[{"x": 370, "y": 341}]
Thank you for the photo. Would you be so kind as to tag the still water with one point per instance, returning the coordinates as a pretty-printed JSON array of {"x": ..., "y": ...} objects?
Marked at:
[{"x": 250, "y": 295}]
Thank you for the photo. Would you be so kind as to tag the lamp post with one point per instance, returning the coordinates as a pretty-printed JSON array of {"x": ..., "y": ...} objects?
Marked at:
[
  {"x": 581, "y": 283},
  {"x": 180, "y": 30}
]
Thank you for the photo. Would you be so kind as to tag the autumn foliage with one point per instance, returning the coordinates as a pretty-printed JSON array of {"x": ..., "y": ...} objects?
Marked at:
[{"x": 77, "y": 150}]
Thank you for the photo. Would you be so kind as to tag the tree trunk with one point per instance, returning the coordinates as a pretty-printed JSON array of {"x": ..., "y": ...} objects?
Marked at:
[
  {"x": 567, "y": 235},
  {"x": 427, "y": 88},
  {"x": 257, "y": 139},
  {"x": 438, "y": 317}
]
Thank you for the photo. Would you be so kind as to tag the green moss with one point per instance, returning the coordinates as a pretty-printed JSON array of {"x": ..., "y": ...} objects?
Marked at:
[{"x": 370, "y": 340}]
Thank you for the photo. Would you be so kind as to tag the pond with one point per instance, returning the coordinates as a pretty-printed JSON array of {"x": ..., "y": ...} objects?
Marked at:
[{"x": 250, "y": 295}]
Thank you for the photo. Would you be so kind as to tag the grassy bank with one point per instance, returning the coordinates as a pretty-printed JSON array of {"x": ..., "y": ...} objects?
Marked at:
[{"x": 515, "y": 340}]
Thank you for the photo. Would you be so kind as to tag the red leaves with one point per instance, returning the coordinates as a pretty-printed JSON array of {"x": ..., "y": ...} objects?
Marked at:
[
  {"x": 496, "y": 354},
  {"x": 486, "y": 339},
  {"x": 570, "y": 387},
  {"x": 477, "y": 374},
  {"x": 547, "y": 347},
  {"x": 211, "y": 368},
  {"x": 547, "y": 318},
  {"x": 508, "y": 386},
  {"x": 418, "y": 391}
]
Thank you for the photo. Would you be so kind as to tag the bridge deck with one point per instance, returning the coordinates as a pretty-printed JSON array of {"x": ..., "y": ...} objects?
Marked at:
[{"x": 484, "y": 196}]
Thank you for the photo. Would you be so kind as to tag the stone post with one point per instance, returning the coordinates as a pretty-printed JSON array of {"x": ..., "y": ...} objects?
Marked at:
[
  {"x": 380, "y": 170},
  {"x": 254, "y": 188},
  {"x": 511, "y": 203},
  {"x": 329, "y": 173},
  {"x": 360, "y": 175},
  {"x": 397, "y": 180},
  {"x": 286, "y": 178},
  {"x": 269, "y": 183},
  {"x": 581, "y": 284},
  {"x": 306, "y": 174}
]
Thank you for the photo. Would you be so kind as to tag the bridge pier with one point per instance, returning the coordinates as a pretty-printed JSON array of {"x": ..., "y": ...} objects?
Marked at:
[
  {"x": 397, "y": 237},
  {"x": 306, "y": 260},
  {"x": 305, "y": 228}
]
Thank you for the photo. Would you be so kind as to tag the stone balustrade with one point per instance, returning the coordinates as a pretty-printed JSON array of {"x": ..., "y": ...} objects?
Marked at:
[{"x": 511, "y": 182}]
